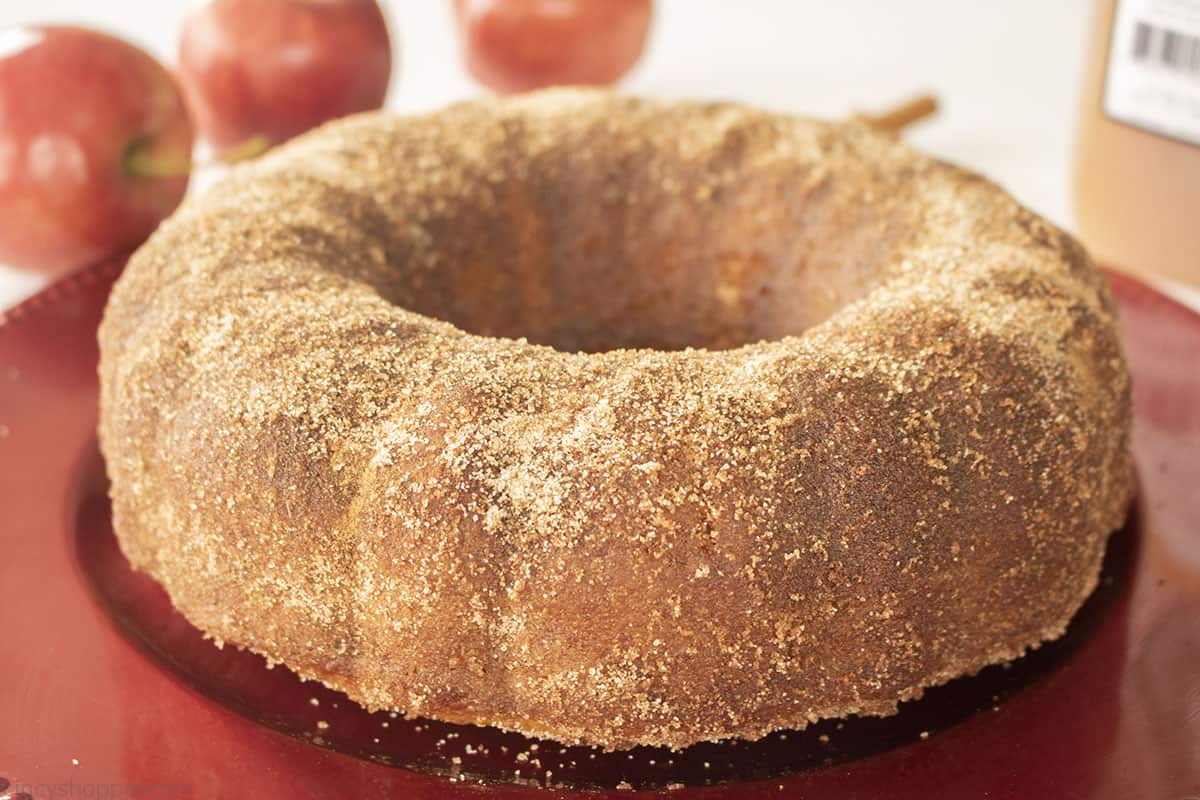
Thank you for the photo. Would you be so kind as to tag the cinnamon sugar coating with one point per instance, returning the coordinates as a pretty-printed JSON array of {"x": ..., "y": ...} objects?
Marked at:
[{"x": 615, "y": 421}]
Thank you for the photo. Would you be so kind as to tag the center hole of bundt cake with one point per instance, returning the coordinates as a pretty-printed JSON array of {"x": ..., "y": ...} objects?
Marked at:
[
  {"x": 658, "y": 249},
  {"x": 679, "y": 282},
  {"x": 592, "y": 299}
]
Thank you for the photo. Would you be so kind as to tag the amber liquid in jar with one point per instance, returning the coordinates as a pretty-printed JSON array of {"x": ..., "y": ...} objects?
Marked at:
[{"x": 1137, "y": 158}]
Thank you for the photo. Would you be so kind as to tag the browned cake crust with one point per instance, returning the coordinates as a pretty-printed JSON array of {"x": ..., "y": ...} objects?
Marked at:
[{"x": 892, "y": 458}]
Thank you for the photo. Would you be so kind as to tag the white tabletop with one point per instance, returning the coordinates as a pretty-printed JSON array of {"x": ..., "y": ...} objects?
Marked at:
[{"x": 1007, "y": 73}]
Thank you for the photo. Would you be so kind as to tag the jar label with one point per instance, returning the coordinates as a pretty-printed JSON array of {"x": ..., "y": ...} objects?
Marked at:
[{"x": 1153, "y": 79}]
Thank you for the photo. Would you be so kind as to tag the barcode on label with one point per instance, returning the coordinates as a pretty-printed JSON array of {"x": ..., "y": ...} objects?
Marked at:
[{"x": 1167, "y": 48}]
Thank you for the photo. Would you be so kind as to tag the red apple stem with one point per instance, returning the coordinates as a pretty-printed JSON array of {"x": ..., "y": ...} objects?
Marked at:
[
  {"x": 142, "y": 161},
  {"x": 253, "y": 147},
  {"x": 899, "y": 117}
]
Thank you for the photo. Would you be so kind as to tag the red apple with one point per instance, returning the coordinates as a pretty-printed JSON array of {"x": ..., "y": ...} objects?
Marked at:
[
  {"x": 95, "y": 145},
  {"x": 518, "y": 45},
  {"x": 272, "y": 69}
]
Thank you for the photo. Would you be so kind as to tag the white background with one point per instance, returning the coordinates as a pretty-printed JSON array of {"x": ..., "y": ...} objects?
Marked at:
[{"x": 1008, "y": 73}]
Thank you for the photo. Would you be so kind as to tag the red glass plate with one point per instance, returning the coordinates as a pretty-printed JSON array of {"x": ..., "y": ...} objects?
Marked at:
[{"x": 106, "y": 692}]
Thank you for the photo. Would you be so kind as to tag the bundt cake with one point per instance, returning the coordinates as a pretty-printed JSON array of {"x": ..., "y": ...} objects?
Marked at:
[{"x": 615, "y": 421}]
